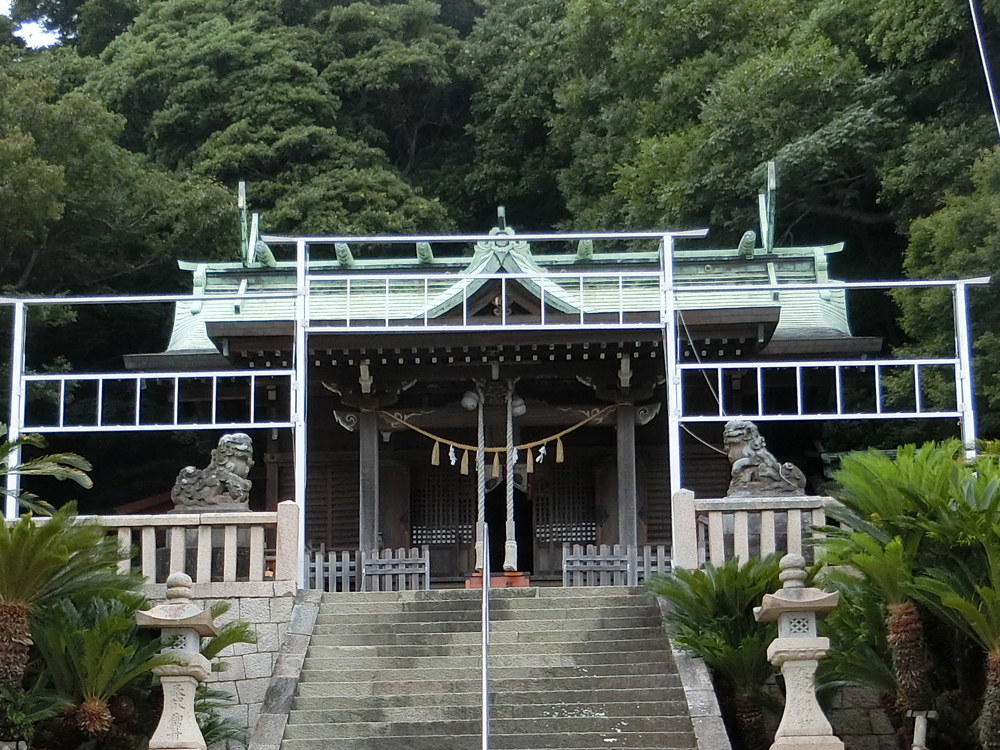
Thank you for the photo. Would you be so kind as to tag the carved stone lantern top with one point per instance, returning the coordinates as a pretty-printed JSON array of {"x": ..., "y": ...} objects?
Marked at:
[
  {"x": 794, "y": 596},
  {"x": 179, "y": 612}
]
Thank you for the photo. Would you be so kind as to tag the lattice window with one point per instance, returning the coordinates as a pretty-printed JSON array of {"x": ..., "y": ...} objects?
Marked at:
[
  {"x": 443, "y": 507},
  {"x": 799, "y": 626},
  {"x": 564, "y": 504}
]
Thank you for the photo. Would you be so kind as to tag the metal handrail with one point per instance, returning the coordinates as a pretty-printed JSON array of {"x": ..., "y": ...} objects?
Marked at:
[{"x": 486, "y": 636}]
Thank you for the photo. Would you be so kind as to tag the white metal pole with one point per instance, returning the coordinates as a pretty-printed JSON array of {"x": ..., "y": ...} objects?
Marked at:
[
  {"x": 486, "y": 643},
  {"x": 670, "y": 357},
  {"x": 986, "y": 64},
  {"x": 964, "y": 353},
  {"x": 299, "y": 402},
  {"x": 481, "y": 539},
  {"x": 16, "y": 409},
  {"x": 510, "y": 538}
]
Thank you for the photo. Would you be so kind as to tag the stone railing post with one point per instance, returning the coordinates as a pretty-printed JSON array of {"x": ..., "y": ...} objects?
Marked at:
[
  {"x": 797, "y": 650},
  {"x": 286, "y": 547},
  {"x": 684, "y": 550},
  {"x": 182, "y": 624}
]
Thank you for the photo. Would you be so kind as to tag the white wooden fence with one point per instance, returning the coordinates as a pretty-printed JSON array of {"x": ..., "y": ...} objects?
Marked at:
[
  {"x": 612, "y": 566},
  {"x": 209, "y": 547},
  {"x": 389, "y": 570},
  {"x": 714, "y": 530}
]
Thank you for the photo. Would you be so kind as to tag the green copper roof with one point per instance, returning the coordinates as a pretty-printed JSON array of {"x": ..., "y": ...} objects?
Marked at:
[{"x": 452, "y": 280}]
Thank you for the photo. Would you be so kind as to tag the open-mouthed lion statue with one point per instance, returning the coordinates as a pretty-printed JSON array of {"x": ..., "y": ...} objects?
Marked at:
[
  {"x": 223, "y": 484},
  {"x": 755, "y": 471}
]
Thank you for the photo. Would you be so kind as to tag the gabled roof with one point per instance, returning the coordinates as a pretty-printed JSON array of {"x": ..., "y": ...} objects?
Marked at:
[{"x": 445, "y": 284}]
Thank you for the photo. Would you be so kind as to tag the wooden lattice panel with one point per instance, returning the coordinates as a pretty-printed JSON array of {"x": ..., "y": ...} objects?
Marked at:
[
  {"x": 563, "y": 498},
  {"x": 332, "y": 502},
  {"x": 657, "y": 506},
  {"x": 443, "y": 507}
]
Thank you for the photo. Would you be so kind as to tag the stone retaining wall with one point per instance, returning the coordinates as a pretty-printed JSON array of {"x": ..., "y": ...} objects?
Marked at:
[{"x": 267, "y": 606}]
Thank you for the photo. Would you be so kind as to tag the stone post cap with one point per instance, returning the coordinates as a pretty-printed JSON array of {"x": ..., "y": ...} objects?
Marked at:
[
  {"x": 794, "y": 596},
  {"x": 179, "y": 612}
]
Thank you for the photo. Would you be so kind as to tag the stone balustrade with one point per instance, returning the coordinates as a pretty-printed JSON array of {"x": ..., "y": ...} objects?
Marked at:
[{"x": 713, "y": 530}]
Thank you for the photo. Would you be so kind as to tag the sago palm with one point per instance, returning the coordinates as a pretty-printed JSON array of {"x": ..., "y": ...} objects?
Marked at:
[
  {"x": 711, "y": 615},
  {"x": 974, "y": 606},
  {"x": 92, "y": 652},
  {"x": 43, "y": 560},
  {"x": 59, "y": 466}
]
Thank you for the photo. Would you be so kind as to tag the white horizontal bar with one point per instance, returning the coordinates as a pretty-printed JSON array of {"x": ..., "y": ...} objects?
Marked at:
[
  {"x": 119, "y": 299},
  {"x": 452, "y": 279},
  {"x": 158, "y": 427},
  {"x": 826, "y": 364},
  {"x": 808, "y": 417},
  {"x": 372, "y": 325},
  {"x": 509, "y": 238},
  {"x": 799, "y": 285},
  {"x": 187, "y": 375}
]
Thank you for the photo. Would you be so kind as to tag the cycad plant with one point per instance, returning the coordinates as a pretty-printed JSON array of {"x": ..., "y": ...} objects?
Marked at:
[
  {"x": 883, "y": 537},
  {"x": 711, "y": 615},
  {"x": 59, "y": 466},
  {"x": 41, "y": 562},
  {"x": 92, "y": 652}
]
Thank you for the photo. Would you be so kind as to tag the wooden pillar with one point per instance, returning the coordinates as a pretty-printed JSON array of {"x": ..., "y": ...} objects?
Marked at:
[
  {"x": 368, "y": 515},
  {"x": 628, "y": 521}
]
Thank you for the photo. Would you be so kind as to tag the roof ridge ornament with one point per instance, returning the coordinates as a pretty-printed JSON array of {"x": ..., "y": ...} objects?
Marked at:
[{"x": 501, "y": 247}]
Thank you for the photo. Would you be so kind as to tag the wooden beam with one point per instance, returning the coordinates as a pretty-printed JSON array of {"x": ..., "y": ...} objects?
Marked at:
[
  {"x": 368, "y": 512},
  {"x": 628, "y": 521}
]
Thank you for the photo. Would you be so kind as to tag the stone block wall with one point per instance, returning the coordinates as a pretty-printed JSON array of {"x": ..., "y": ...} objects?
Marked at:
[
  {"x": 859, "y": 720},
  {"x": 267, "y": 606}
]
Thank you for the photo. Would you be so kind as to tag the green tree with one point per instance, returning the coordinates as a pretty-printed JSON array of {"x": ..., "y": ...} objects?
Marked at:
[
  {"x": 227, "y": 91},
  {"x": 71, "y": 193},
  {"x": 960, "y": 239}
]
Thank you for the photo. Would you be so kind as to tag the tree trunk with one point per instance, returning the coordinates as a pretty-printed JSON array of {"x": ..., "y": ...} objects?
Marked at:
[
  {"x": 750, "y": 718},
  {"x": 14, "y": 642},
  {"x": 989, "y": 719},
  {"x": 909, "y": 656}
]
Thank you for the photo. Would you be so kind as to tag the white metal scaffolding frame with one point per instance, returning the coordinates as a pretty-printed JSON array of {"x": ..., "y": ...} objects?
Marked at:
[{"x": 575, "y": 291}]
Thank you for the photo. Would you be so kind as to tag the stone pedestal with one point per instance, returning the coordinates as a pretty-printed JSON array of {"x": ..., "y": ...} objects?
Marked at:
[
  {"x": 182, "y": 624},
  {"x": 178, "y": 729},
  {"x": 505, "y": 580},
  {"x": 797, "y": 651}
]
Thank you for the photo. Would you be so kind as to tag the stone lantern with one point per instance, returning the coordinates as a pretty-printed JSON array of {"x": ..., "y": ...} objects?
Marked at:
[
  {"x": 182, "y": 625},
  {"x": 797, "y": 650}
]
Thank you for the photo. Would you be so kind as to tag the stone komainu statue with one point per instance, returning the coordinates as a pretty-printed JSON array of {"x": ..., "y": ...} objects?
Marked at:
[
  {"x": 223, "y": 484},
  {"x": 755, "y": 471}
]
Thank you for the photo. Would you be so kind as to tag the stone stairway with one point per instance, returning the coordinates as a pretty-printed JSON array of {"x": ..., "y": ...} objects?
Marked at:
[{"x": 581, "y": 668}]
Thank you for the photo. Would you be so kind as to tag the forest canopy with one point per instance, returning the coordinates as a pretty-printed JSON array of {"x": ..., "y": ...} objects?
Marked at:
[{"x": 121, "y": 146}]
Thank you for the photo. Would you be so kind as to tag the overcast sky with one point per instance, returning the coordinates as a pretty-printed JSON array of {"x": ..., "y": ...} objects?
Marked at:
[{"x": 29, "y": 32}]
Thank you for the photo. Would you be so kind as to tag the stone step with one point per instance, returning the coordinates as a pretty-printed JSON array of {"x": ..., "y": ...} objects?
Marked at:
[
  {"x": 321, "y": 650},
  {"x": 569, "y": 668},
  {"x": 496, "y": 673},
  {"x": 349, "y": 606},
  {"x": 566, "y": 741},
  {"x": 603, "y": 725},
  {"x": 435, "y": 622},
  {"x": 473, "y": 636},
  {"x": 554, "y": 684},
  {"x": 554, "y": 699},
  {"x": 472, "y": 662},
  {"x": 471, "y": 710}
]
